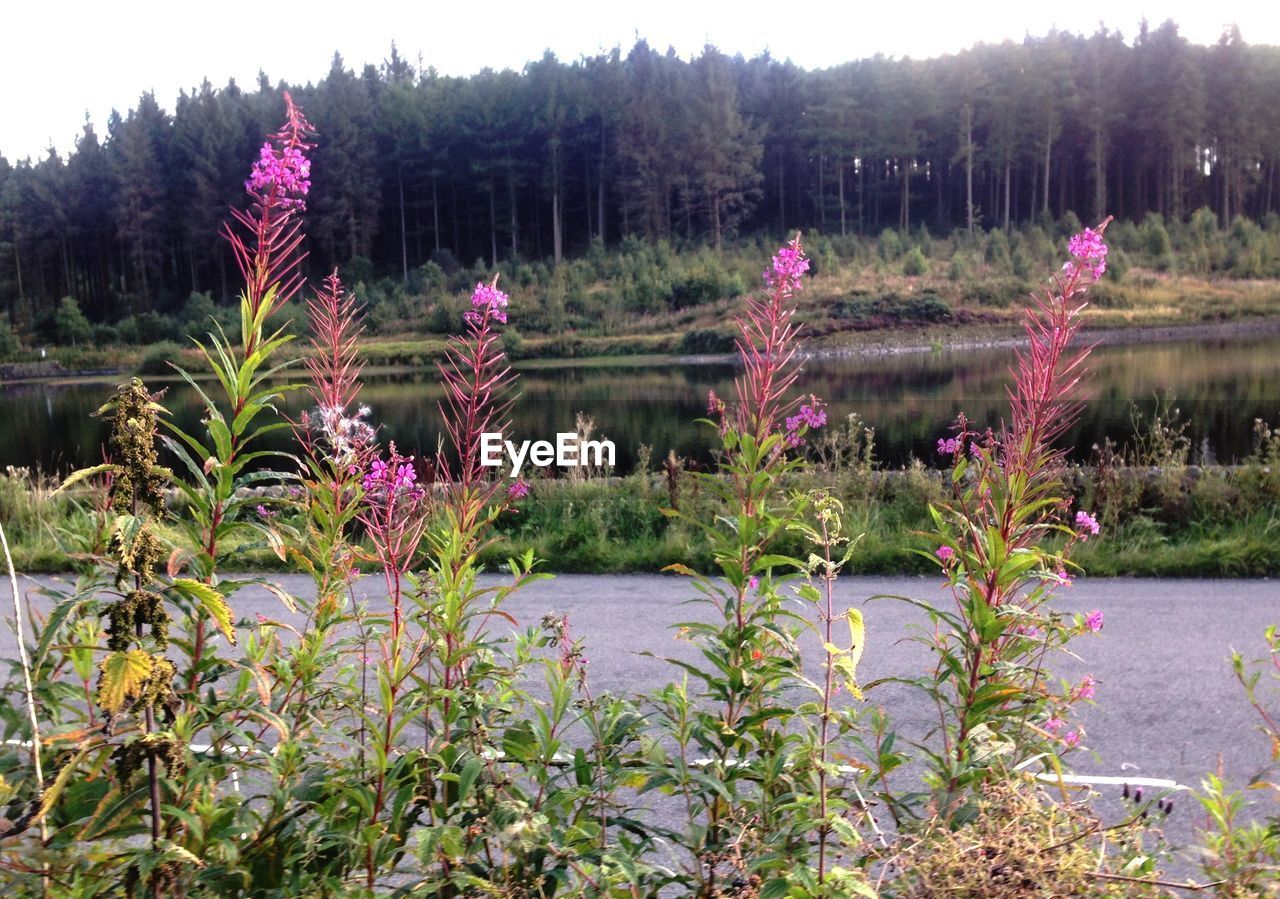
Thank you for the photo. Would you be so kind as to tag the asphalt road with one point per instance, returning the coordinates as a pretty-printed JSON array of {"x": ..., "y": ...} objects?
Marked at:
[{"x": 1167, "y": 705}]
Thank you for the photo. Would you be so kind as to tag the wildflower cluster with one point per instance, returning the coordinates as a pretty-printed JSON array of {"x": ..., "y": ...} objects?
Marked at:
[
  {"x": 1089, "y": 255},
  {"x": 809, "y": 418},
  {"x": 397, "y": 477},
  {"x": 949, "y": 446},
  {"x": 1087, "y": 524},
  {"x": 487, "y": 301},
  {"x": 784, "y": 275},
  {"x": 284, "y": 171}
]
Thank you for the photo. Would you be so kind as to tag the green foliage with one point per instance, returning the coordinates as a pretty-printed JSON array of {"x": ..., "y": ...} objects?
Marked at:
[
  {"x": 10, "y": 344},
  {"x": 161, "y": 358},
  {"x": 69, "y": 324},
  {"x": 915, "y": 264}
]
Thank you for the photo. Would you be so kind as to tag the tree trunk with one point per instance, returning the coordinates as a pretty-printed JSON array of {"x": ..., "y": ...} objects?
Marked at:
[
  {"x": 1099, "y": 177},
  {"x": 556, "y": 243},
  {"x": 782, "y": 196},
  {"x": 511, "y": 195},
  {"x": 586, "y": 180},
  {"x": 715, "y": 219},
  {"x": 435, "y": 212},
  {"x": 822, "y": 200},
  {"x": 17, "y": 266},
  {"x": 1008, "y": 192},
  {"x": 968, "y": 167},
  {"x": 1048, "y": 156},
  {"x": 840, "y": 182},
  {"x": 493, "y": 225},
  {"x": 600, "y": 187},
  {"x": 404, "y": 234},
  {"x": 904, "y": 208}
]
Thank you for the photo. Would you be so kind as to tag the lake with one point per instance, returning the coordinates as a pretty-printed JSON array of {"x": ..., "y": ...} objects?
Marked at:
[{"x": 1221, "y": 386}]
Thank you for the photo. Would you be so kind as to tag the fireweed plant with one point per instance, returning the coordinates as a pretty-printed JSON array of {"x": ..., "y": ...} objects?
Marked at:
[
  {"x": 728, "y": 739},
  {"x": 998, "y": 710}
]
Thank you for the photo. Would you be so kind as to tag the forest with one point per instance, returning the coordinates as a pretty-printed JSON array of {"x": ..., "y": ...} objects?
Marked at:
[{"x": 543, "y": 164}]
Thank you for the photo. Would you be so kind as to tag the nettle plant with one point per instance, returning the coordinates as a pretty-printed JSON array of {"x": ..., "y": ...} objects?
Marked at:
[{"x": 1003, "y": 544}]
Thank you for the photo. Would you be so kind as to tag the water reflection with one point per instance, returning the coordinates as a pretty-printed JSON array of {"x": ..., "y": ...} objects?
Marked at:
[{"x": 1221, "y": 387}]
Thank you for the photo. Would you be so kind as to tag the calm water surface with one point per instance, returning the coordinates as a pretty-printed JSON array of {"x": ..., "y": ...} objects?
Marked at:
[{"x": 1221, "y": 386}]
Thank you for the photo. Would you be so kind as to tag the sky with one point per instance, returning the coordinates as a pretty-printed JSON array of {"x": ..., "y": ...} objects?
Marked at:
[{"x": 63, "y": 59}]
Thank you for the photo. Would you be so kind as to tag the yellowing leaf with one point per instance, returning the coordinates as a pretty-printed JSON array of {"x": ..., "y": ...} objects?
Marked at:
[
  {"x": 209, "y": 599},
  {"x": 84, "y": 473},
  {"x": 122, "y": 677},
  {"x": 848, "y": 662}
]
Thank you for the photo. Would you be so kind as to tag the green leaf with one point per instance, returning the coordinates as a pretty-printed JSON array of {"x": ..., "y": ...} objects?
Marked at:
[{"x": 209, "y": 599}]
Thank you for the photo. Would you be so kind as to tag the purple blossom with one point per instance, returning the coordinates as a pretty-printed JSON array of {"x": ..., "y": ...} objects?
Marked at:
[
  {"x": 264, "y": 512},
  {"x": 286, "y": 171},
  {"x": 1094, "y": 620},
  {"x": 788, "y": 267},
  {"x": 753, "y": 583},
  {"x": 1071, "y": 739},
  {"x": 376, "y": 476},
  {"x": 1087, "y": 524},
  {"x": 518, "y": 489},
  {"x": 1089, "y": 255},
  {"x": 809, "y": 418},
  {"x": 384, "y": 480},
  {"x": 949, "y": 446},
  {"x": 1053, "y": 725},
  {"x": 486, "y": 299},
  {"x": 944, "y": 553}
]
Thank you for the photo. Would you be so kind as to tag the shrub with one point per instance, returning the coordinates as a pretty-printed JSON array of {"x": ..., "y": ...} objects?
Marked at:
[
  {"x": 914, "y": 264},
  {"x": 69, "y": 324},
  {"x": 10, "y": 345},
  {"x": 705, "y": 342},
  {"x": 161, "y": 359}
]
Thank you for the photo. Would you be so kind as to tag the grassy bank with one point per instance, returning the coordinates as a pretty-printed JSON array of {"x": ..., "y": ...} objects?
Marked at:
[
  {"x": 1175, "y": 521},
  {"x": 640, "y": 298}
]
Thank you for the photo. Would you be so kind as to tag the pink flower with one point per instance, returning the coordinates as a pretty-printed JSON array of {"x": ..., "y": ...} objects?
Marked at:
[
  {"x": 945, "y": 553},
  {"x": 1089, "y": 255},
  {"x": 1094, "y": 620},
  {"x": 264, "y": 512},
  {"x": 286, "y": 171},
  {"x": 809, "y": 417},
  {"x": 1086, "y": 688},
  {"x": 405, "y": 476},
  {"x": 385, "y": 480},
  {"x": 753, "y": 583},
  {"x": 486, "y": 299},
  {"x": 1072, "y": 738},
  {"x": 1053, "y": 725},
  {"x": 1064, "y": 577},
  {"x": 787, "y": 268},
  {"x": 1087, "y": 524},
  {"x": 376, "y": 476},
  {"x": 518, "y": 490},
  {"x": 949, "y": 446}
]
